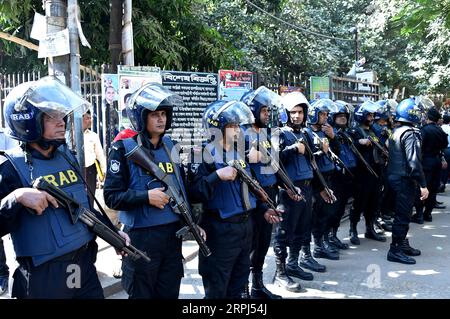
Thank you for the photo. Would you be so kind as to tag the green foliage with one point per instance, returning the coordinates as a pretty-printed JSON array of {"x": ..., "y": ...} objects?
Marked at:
[{"x": 405, "y": 41}]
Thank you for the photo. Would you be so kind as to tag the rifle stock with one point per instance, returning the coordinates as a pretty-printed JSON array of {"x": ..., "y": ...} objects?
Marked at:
[
  {"x": 144, "y": 160},
  {"x": 77, "y": 212}
]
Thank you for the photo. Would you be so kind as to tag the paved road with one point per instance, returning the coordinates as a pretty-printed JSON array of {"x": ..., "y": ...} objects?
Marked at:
[{"x": 362, "y": 271}]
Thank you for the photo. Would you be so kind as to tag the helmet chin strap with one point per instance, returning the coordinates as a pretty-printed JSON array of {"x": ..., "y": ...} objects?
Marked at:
[{"x": 45, "y": 144}]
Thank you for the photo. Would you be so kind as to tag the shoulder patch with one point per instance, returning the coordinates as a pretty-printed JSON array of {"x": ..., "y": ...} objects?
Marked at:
[{"x": 114, "y": 166}]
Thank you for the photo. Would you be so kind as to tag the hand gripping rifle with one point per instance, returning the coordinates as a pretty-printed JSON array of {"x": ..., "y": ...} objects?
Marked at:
[
  {"x": 280, "y": 171},
  {"x": 316, "y": 167},
  {"x": 255, "y": 187},
  {"x": 357, "y": 153},
  {"x": 77, "y": 212},
  {"x": 143, "y": 159},
  {"x": 333, "y": 157}
]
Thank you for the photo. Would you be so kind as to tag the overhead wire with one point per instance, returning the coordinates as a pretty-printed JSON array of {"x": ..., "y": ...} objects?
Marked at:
[{"x": 302, "y": 29}]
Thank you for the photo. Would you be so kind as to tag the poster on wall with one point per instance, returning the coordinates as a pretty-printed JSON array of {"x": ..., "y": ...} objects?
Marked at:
[
  {"x": 234, "y": 84},
  {"x": 198, "y": 90},
  {"x": 320, "y": 87},
  {"x": 131, "y": 78}
]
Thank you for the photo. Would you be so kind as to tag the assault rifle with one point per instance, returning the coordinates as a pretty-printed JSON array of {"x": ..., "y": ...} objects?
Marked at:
[
  {"x": 357, "y": 153},
  {"x": 144, "y": 159},
  {"x": 315, "y": 167},
  {"x": 280, "y": 172},
  {"x": 254, "y": 185},
  {"x": 77, "y": 212},
  {"x": 378, "y": 145},
  {"x": 332, "y": 156}
]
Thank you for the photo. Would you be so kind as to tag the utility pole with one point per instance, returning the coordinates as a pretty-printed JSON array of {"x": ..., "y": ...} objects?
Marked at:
[
  {"x": 127, "y": 34},
  {"x": 75, "y": 83},
  {"x": 56, "y": 13}
]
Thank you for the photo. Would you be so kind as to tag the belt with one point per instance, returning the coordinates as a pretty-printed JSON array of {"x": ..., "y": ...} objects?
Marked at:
[{"x": 73, "y": 255}]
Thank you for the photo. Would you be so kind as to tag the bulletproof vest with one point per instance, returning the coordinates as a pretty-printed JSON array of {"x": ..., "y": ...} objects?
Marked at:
[
  {"x": 323, "y": 162},
  {"x": 298, "y": 167},
  {"x": 264, "y": 171},
  {"x": 51, "y": 234},
  {"x": 227, "y": 195},
  {"x": 346, "y": 155},
  {"x": 148, "y": 215},
  {"x": 397, "y": 164}
]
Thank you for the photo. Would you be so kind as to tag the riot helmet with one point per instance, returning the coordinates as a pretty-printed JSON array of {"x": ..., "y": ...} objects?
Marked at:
[
  {"x": 290, "y": 101},
  {"x": 27, "y": 103},
  {"x": 366, "y": 108},
  {"x": 221, "y": 113},
  {"x": 385, "y": 110},
  {"x": 257, "y": 99},
  {"x": 341, "y": 107},
  {"x": 319, "y": 106},
  {"x": 408, "y": 111},
  {"x": 149, "y": 98}
]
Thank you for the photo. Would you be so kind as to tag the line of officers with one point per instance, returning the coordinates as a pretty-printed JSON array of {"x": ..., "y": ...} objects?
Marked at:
[{"x": 329, "y": 151}]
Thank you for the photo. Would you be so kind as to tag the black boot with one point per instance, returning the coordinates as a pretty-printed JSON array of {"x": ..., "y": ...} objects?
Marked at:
[
  {"x": 417, "y": 219},
  {"x": 335, "y": 241},
  {"x": 292, "y": 268},
  {"x": 418, "y": 216},
  {"x": 283, "y": 280},
  {"x": 396, "y": 254},
  {"x": 387, "y": 226},
  {"x": 354, "y": 234},
  {"x": 427, "y": 217},
  {"x": 307, "y": 261},
  {"x": 328, "y": 245},
  {"x": 408, "y": 250},
  {"x": 371, "y": 233},
  {"x": 321, "y": 250},
  {"x": 259, "y": 291}
]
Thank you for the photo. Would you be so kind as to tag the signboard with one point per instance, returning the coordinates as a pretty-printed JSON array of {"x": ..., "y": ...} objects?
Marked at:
[
  {"x": 320, "y": 87},
  {"x": 132, "y": 78},
  {"x": 198, "y": 90},
  {"x": 54, "y": 44},
  {"x": 234, "y": 84}
]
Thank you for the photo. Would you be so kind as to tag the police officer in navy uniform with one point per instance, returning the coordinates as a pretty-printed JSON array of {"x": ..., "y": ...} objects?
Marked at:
[
  {"x": 149, "y": 220},
  {"x": 56, "y": 258},
  {"x": 382, "y": 127},
  {"x": 260, "y": 101},
  {"x": 295, "y": 229},
  {"x": 434, "y": 141},
  {"x": 339, "y": 118},
  {"x": 323, "y": 138},
  {"x": 405, "y": 175},
  {"x": 367, "y": 186},
  {"x": 227, "y": 202}
]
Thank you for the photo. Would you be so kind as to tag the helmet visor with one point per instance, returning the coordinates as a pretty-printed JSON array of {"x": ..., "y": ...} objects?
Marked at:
[
  {"x": 424, "y": 102},
  {"x": 369, "y": 107},
  {"x": 265, "y": 97},
  {"x": 236, "y": 113},
  {"x": 151, "y": 96},
  {"x": 54, "y": 98}
]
